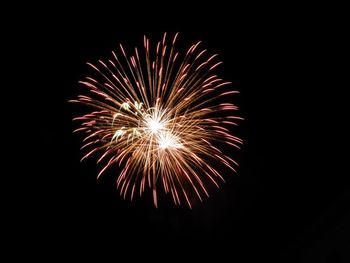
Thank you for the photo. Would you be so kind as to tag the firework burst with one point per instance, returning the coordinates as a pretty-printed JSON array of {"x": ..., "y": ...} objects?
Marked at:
[{"x": 163, "y": 117}]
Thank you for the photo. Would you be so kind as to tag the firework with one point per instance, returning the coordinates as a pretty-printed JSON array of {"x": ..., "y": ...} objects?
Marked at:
[{"x": 163, "y": 117}]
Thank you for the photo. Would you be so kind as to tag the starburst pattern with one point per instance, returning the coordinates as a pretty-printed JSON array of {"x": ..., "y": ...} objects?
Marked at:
[{"x": 163, "y": 117}]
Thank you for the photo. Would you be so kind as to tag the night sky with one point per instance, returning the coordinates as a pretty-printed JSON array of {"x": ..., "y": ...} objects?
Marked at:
[{"x": 288, "y": 203}]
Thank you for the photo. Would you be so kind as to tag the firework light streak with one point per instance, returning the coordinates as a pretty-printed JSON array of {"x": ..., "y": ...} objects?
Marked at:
[{"x": 162, "y": 117}]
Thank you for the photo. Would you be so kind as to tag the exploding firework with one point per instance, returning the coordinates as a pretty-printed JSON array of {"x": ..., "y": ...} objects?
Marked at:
[{"x": 163, "y": 117}]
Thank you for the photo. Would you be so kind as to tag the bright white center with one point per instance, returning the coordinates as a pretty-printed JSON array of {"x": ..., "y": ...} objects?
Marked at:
[
  {"x": 165, "y": 143},
  {"x": 167, "y": 140},
  {"x": 154, "y": 125}
]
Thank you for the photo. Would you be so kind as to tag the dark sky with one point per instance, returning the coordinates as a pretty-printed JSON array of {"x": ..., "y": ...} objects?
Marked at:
[{"x": 290, "y": 202}]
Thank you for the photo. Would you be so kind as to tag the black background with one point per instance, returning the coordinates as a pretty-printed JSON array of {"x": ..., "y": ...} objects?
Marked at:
[{"x": 290, "y": 201}]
